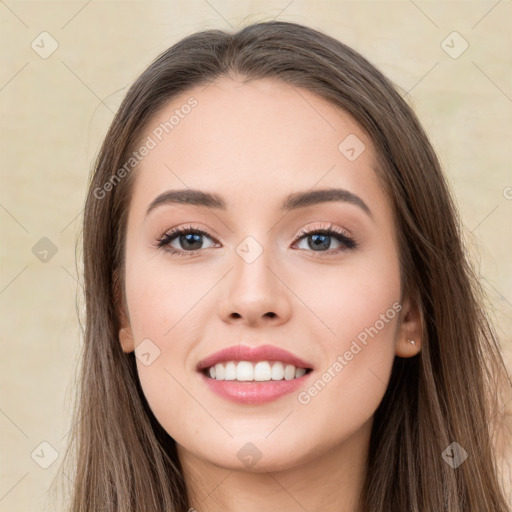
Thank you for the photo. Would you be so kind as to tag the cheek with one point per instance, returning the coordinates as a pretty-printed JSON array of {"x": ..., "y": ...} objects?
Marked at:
[
  {"x": 358, "y": 361},
  {"x": 359, "y": 308},
  {"x": 351, "y": 298},
  {"x": 165, "y": 317},
  {"x": 163, "y": 298}
]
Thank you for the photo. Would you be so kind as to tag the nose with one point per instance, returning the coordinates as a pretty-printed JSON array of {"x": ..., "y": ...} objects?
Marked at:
[{"x": 256, "y": 294}]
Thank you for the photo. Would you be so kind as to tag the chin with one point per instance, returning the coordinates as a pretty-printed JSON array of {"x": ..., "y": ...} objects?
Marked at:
[{"x": 256, "y": 457}]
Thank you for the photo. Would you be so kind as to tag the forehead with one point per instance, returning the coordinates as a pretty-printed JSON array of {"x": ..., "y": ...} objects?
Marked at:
[{"x": 262, "y": 136}]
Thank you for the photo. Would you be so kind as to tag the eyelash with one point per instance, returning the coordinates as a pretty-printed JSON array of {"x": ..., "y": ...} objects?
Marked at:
[{"x": 164, "y": 241}]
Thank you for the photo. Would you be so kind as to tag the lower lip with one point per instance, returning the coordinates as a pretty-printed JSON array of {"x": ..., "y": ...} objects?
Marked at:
[{"x": 252, "y": 393}]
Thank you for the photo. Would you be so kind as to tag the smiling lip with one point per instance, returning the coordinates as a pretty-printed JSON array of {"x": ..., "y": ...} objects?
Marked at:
[
  {"x": 253, "y": 354},
  {"x": 252, "y": 392}
]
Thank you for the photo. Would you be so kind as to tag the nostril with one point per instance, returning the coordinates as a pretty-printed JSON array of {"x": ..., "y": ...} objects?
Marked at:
[{"x": 271, "y": 314}]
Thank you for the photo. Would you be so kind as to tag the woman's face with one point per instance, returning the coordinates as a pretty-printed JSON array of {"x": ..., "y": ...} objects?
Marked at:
[{"x": 255, "y": 266}]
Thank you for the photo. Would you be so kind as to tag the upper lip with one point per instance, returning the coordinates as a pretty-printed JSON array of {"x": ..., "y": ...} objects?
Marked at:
[{"x": 248, "y": 353}]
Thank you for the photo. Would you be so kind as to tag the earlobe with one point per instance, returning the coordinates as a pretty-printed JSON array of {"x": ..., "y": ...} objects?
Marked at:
[
  {"x": 407, "y": 348},
  {"x": 125, "y": 333},
  {"x": 126, "y": 339},
  {"x": 408, "y": 342}
]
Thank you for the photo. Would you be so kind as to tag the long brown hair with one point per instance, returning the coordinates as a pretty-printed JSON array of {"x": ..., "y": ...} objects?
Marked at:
[{"x": 123, "y": 460}]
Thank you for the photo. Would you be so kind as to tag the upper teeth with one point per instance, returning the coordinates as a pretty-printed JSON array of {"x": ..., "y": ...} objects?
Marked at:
[{"x": 258, "y": 371}]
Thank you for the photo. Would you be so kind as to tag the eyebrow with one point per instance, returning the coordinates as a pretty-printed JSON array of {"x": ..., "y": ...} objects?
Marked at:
[{"x": 294, "y": 201}]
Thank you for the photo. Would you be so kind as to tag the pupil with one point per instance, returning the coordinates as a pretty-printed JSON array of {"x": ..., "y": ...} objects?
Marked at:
[
  {"x": 320, "y": 241},
  {"x": 190, "y": 239}
]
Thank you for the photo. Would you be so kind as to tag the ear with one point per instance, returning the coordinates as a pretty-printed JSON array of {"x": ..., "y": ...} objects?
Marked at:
[
  {"x": 125, "y": 331},
  {"x": 409, "y": 339},
  {"x": 126, "y": 339}
]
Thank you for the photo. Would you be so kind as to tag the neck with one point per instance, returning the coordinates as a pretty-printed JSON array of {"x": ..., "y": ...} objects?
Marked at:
[{"x": 331, "y": 480}]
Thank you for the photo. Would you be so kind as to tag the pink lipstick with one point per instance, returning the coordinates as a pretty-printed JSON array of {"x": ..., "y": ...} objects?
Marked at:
[{"x": 254, "y": 375}]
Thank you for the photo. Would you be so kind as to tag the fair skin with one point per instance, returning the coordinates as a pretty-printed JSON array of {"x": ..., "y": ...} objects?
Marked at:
[{"x": 254, "y": 144}]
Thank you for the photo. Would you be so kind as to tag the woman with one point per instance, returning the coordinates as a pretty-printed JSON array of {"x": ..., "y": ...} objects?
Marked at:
[{"x": 280, "y": 314}]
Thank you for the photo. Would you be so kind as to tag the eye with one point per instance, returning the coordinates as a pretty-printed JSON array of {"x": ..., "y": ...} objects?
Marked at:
[
  {"x": 321, "y": 240},
  {"x": 183, "y": 240},
  {"x": 187, "y": 240}
]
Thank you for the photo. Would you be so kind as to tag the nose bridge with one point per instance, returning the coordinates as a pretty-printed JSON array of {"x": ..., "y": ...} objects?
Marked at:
[
  {"x": 255, "y": 294},
  {"x": 251, "y": 266}
]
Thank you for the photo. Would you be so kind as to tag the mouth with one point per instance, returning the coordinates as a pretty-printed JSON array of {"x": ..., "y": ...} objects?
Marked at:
[
  {"x": 254, "y": 371},
  {"x": 254, "y": 375}
]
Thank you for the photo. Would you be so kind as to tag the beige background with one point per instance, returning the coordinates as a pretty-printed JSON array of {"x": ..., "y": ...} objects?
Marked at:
[{"x": 55, "y": 112}]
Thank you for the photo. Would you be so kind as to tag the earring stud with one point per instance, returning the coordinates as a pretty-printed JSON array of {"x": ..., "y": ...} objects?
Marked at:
[{"x": 412, "y": 342}]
